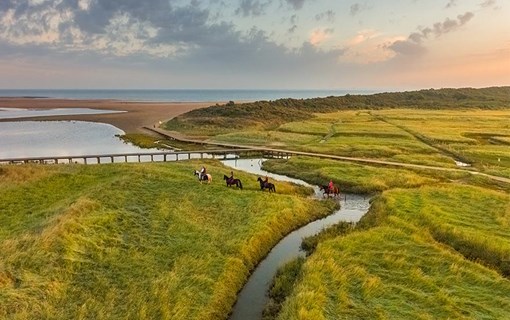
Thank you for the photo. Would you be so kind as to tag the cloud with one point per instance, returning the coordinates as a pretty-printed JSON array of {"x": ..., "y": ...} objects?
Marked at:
[
  {"x": 357, "y": 8},
  {"x": 252, "y": 7},
  {"x": 413, "y": 44},
  {"x": 328, "y": 15},
  {"x": 296, "y": 4},
  {"x": 451, "y": 3},
  {"x": 318, "y": 36},
  {"x": 488, "y": 3}
]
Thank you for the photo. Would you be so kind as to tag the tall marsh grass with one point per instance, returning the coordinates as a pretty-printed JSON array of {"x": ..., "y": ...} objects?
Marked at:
[{"x": 135, "y": 241}]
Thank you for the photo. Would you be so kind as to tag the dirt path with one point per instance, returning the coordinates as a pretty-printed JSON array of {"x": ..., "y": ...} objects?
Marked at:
[{"x": 179, "y": 137}]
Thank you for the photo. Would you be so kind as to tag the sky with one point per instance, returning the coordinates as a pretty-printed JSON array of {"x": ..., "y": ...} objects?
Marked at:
[{"x": 254, "y": 44}]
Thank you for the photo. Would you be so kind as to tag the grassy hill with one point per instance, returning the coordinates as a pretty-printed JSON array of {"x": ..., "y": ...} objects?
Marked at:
[{"x": 135, "y": 241}]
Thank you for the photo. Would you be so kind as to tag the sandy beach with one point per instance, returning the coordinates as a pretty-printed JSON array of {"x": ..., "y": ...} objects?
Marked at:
[{"x": 137, "y": 115}]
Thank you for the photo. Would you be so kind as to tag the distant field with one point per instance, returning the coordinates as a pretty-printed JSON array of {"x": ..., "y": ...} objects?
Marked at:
[
  {"x": 135, "y": 240},
  {"x": 430, "y": 127},
  {"x": 409, "y": 260}
]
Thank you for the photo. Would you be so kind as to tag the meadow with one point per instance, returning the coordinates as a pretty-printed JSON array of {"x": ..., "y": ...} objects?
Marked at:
[
  {"x": 433, "y": 252},
  {"x": 435, "y": 243},
  {"x": 429, "y": 127},
  {"x": 135, "y": 241},
  {"x": 147, "y": 241}
]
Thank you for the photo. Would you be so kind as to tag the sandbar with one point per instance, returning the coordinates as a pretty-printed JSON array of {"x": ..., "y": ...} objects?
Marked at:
[{"x": 137, "y": 115}]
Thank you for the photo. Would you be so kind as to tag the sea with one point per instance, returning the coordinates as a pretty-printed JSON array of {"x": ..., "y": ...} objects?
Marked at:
[
  {"x": 28, "y": 139},
  {"x": 178, "y": 95}
]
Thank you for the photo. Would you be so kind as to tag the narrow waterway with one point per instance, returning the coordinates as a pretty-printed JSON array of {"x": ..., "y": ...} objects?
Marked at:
[{"x": 253, "y": 297}]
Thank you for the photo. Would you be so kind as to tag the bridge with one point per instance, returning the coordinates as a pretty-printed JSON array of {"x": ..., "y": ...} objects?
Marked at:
[{"x": 224, "y": 152}]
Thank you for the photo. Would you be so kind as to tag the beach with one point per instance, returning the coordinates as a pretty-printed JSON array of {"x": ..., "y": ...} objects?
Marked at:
[{"x": 137, "y": 115}]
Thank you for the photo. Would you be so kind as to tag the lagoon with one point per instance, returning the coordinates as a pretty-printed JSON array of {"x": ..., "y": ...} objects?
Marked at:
[{"x": 26, "y": 139}]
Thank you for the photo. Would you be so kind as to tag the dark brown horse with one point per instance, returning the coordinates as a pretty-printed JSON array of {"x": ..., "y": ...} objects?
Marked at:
[
  {"x": 266, "y": 185},
  {"x": 327, "y": 191},
  {"x": 231, "y": 182}
]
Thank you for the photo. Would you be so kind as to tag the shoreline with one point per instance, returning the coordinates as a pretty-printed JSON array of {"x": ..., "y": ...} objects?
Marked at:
[{"x": 138, "y": 114}]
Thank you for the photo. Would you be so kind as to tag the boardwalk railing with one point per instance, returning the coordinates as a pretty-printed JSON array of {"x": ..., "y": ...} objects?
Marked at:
[{"x": 163, "y": 156}]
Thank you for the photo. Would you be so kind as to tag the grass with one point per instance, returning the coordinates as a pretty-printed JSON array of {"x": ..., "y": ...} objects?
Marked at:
[
  {"x": 430, "y": 127},
  {"x": 388, "y": 273},
  {"x": 353, "y": 177},
  {"x": 432, "y": 252},
  {"x": 137, "y": 241}
]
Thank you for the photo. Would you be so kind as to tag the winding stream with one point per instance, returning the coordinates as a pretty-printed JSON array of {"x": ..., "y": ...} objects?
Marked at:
[{"x": 252, "y": 298}]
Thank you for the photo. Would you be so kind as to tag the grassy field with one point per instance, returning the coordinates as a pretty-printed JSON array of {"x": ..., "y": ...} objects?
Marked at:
[
  {"x": 434, "y": 252},
  {"x": 135, "y": 241},
  {"x": 358, "y": 178},
  {"x": 430, "y": 127}
]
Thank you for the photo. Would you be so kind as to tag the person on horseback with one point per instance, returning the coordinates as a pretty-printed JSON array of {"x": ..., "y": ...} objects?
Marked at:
[
  {"x": 266, "y": 181},
  {"x": 203, "y": 172},
  {"x": 231, "y": 178},
  {"x": 331, "y": 186}
]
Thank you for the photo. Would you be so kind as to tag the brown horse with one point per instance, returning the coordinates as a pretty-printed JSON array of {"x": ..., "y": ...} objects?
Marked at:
[
  {"x": 231, "y": 182},
  {"x": 266, "y": 185},
  {"x": 327, "y": 191}
]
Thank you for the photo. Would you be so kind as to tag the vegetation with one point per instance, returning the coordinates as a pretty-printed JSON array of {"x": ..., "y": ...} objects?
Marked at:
[
  {"x": 144, "y": 241},
  {"x": 356, "y": 178},
  {"x": 268, "y": 114},
  {"x": 400, "y": 263},
  {"x": 429, "y": 127}
]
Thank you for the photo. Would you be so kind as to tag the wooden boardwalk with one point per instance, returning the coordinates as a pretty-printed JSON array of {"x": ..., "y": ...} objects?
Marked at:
[{"x": 227, "y": 151}]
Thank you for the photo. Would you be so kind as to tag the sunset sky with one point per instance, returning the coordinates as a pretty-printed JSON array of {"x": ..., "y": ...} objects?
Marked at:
[{"x": 254, "y": 44}]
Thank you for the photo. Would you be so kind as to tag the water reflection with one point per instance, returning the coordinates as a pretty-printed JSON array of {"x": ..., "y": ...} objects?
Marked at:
[
  {"x": 252, "y": 298},
  {"x": 61, "y": 138},
  {"x": 13, "y": 113}
]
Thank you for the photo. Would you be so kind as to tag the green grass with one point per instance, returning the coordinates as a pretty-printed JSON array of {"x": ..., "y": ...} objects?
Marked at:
[
  {"x": 136, "y": 241},
  {"x": 388, "y": 273},
  {"x": 430, "y": 127},
  {"x": 433, "y": 252},
  {"x": 352, "y": 177}
]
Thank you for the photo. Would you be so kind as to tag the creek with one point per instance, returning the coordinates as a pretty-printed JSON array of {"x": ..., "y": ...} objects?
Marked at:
[{"x": 252, "y": 299}]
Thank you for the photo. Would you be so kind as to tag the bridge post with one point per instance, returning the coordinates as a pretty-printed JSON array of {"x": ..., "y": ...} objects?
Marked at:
[
  {"x": 113, "y": 161},
  {"x": 125, "y": 158},
  {"x": 139, "y": 160},
  {"x": 98, "y": 160},
  {"x": 84, "y": 160}
]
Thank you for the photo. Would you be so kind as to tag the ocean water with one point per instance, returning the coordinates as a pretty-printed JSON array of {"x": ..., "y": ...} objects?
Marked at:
[{"x": 177, "y": 95}]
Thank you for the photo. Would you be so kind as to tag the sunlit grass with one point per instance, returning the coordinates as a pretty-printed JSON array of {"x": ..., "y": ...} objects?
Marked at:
[
  {"x": 388, "y": 273},
  {"x": 139, "y": 241},
  {"x": 433, "y": 252},
  {"x": 352, "y": 177}
]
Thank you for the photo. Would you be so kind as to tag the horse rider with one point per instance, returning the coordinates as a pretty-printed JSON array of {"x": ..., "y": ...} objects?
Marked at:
[
  {"x": 203, "y": 172},
  {"x": 266, "y": 181},
  {"x": 231, "y": 178},
  {"x": 331, "y": 185}
]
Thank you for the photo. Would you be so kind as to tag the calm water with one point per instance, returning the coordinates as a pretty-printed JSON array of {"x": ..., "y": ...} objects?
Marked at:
[
  {"x": 179, "y": 95},
  {"x": 12, "y": 113},
  {"x": 252, "y": 298},
  {"x": 60, "y": 138}
]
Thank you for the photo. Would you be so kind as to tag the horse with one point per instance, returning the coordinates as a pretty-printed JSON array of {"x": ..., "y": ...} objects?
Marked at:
[
  {"x": 327, "y": 191},
  {"x": 206, "y": 177},
  {"x": 231, "y": 182},
  {"x": 266, "y": 185}
]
